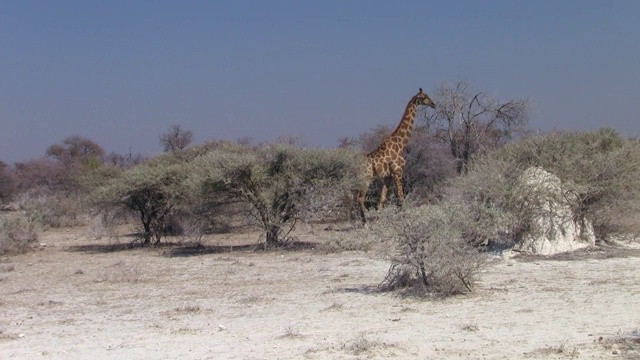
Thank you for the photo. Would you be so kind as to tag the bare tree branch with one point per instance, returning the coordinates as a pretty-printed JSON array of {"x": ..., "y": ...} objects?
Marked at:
[
  {"x": 474, "y": 123},
  {"x": 176, "y": 139}
]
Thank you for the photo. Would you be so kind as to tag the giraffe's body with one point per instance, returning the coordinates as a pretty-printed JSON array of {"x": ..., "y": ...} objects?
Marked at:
[{"x": 386, "y": 161}]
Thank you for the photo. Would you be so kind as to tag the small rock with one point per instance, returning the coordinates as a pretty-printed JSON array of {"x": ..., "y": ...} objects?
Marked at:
[
  {"x": 222, "y": 327},
  {"x": 22, "y": 335}
]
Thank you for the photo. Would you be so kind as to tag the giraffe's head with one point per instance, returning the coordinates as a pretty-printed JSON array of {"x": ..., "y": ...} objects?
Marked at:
[{"x": 423, "y": 99}]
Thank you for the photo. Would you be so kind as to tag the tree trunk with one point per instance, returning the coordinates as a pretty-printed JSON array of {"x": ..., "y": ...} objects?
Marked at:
[
  {"x": 147, "y": 231},
  {"x": 146, "y": 224},
  {"x": 423, "y": 275},
  {"x": 272, "y": 235},
  {"x": 466, "y": 149}
]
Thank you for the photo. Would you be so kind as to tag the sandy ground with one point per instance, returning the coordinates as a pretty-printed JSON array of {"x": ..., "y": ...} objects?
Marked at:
[{"x": 77, "y": 299}]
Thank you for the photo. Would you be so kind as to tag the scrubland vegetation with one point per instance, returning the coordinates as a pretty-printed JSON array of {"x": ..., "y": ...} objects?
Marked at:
[{"x": 463, "y": 163}]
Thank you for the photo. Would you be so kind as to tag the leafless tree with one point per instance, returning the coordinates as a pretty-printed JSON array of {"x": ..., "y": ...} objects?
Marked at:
[
  {"x": 368, "y": 141},
  {"x": 472, "y": 123},
  {"x": 244, "y": 140},
  {"x": 176, "y": 139},
  {"x": 293, "y": 140},
  {"x": 428, "y": 166},
  {"x": 124, "y": 161},
  {"x": 45, "y": 174}
]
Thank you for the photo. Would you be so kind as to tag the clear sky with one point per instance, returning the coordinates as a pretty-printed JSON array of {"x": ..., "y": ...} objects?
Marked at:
[{"x": 121, "y": 72}]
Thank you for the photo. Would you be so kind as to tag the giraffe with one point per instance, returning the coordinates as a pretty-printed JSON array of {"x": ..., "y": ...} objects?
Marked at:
[{"x": 386, "y": 161}]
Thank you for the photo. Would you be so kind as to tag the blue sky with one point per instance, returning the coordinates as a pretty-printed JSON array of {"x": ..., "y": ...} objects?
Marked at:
[{"x": 121, "y": 72}]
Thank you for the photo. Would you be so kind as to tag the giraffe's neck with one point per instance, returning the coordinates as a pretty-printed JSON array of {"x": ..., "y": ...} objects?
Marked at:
[{"x": 405, "y": 128}]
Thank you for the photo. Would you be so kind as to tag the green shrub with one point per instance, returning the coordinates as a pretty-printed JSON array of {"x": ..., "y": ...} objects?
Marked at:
[
  {"x": 153, "y": 190},
  {"x": 428, "y": 251},
  {"x": 18, "y": 232},
  {"x": 279, "y": 183},
  {"x": 599, "y": 174},
  {"x": 55, "y": 209}
]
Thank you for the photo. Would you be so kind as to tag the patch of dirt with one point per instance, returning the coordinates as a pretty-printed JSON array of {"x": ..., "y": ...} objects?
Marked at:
[
  {"x": 598, "y": 252},
  {"x": 78, "y": 298}
]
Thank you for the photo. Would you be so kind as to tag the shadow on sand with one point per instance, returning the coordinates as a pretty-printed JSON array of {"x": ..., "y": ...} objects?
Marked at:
[{"x": 176, "y": 249}]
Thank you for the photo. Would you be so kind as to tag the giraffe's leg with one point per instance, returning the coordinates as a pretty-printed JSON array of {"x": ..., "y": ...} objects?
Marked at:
[
  {"x": 383, "y": 193},
  {"x": 360, "y": 200},
  {"x": 350, "y": 200},
  {"x": 397, "y": 178},
  {"x": 383, "y": 196}
]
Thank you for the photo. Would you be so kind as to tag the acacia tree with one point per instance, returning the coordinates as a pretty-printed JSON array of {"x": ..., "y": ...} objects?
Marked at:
[
  {"x": 75, "y": 148},
  {"x": 63, "y": 165},
  {"x": 472, "y": 123},
  {"x": 152, "y": 190},
  {"x": 176, "y": 139},
  {"x": 279, "y": 183}
]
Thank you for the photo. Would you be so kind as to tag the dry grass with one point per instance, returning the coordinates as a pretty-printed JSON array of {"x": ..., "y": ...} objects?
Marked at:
[
  {"x": 18, "y": 233},
  {"x": 336, "y": 306},
  {"x": 55, "y": 210},
  {"x": 120, "y": 272},
  {"x": 97, "y": 228},
  {"x": 355, "y": 240},
  {"x": 7, "y": 336},
  {"x": 50, "y": 303},
  {"x": 187, "y": 309},
  {"x": 185, "y": 331},
  {"x": 24, "y": 290},
  {"x": 560, "y": 350},
  {"x": 252, "y": 299},
  {"x": 361, "y": 344},
  {"x": 290, "y": 332},
  {"x": 627, "y": 346},
  {"x": 7, "y": 268},
  {"x": 470, "y": 327}
]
